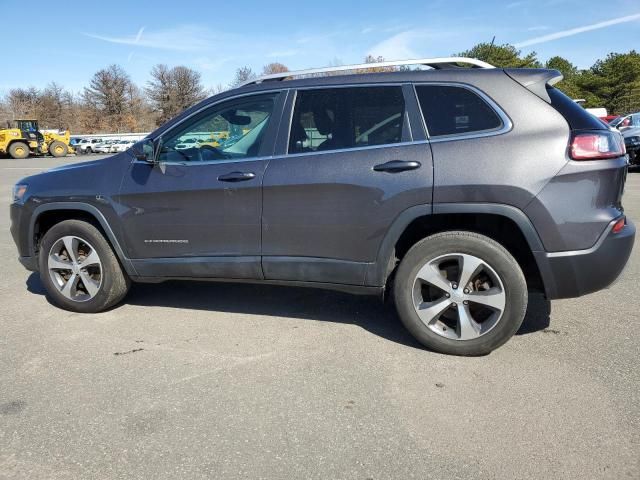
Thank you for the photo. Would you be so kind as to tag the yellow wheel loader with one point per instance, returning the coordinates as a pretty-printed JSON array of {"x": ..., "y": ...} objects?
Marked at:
[{"x": 25, "y": 138}]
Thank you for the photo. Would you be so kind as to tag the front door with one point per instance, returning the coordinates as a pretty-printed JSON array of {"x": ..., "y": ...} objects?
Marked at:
[{"x": 197, "y": 213}]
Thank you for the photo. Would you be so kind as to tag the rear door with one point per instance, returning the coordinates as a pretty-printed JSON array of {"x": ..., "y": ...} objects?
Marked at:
[{"x": 346, "y": 167}]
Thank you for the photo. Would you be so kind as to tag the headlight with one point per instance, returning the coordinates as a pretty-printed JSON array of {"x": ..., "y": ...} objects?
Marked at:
[{"x": 18, "y": 192}]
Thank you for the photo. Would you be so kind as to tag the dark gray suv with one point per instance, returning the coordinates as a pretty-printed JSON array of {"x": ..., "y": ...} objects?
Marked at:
[{"x": 457, "y": 190}]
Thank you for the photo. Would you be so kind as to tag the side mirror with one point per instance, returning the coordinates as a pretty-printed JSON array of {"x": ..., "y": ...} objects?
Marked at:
[{"x": 144, "y": 151}]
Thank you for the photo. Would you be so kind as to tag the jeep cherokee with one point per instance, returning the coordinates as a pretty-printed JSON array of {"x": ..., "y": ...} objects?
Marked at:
[{"x": 457, "y": 190}]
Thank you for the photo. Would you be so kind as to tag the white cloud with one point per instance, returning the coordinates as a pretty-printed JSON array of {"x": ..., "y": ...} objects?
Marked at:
[
  {"x": 516, "y": 4},
  {"x": 139, "y": 35},
  {"x": 578, "y": 30},
  {"x": 180, "y": 38},
  {"x": 537, "y": 28},
  {"x": 398, "y": 46}
]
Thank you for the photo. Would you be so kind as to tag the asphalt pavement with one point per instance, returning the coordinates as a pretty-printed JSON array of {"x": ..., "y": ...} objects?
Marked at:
[{"x": 210, "y": 380}]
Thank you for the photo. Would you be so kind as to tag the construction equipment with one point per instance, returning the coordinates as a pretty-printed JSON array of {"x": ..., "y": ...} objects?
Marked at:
[{"x": 24, "y": 138}]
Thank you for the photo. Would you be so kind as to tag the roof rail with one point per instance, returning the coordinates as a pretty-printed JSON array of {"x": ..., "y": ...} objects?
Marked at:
[{"x": 437, "y": 63}]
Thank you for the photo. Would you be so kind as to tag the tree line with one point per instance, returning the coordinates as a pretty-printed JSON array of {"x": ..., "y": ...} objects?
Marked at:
[{"x": 112, "y": 102}]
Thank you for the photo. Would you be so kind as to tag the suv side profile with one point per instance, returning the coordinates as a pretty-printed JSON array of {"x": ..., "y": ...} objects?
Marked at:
[
  {"x": 87, "y": 145},
  {"x": 456, "y": 190}
]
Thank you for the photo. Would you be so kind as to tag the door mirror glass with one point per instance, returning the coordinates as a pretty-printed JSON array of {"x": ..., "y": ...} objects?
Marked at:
[{"x": 145, "y": 151}]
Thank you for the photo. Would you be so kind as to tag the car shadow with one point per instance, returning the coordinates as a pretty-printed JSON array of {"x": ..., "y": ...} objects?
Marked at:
[{"x": 367, "y": 312}]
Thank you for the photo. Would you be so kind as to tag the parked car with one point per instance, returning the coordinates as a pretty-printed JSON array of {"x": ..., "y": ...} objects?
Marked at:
[
  {"x": 87, "y": 145},
  {"x": 632, "y": 144},
  {"x": 626, "y": 121},
  {"x": 104, "y": 147},
  {"x": 121, "y": 146},
  {"x": 454, "y": 192},
  {"x": 188, "y": 143}
]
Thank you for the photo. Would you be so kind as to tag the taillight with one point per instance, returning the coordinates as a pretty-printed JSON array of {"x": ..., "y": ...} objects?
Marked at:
[
  {"x": 596, "y": 145},
  {"x": 619, "y": 225}
]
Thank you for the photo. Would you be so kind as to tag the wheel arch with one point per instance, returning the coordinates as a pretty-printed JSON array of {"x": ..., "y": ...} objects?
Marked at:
[
  {"x": 18, "y": 140},
  {"x": 47, "y": 215},
  {"x": 504, "y": 223}
]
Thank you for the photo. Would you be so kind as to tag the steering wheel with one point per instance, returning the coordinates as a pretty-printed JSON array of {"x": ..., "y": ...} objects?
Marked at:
[{"x": 207, "y": 152}]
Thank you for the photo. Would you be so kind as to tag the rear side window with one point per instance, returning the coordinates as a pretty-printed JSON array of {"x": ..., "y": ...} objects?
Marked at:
[
  {"x": 451, "y": 110},
  {"x": 340, "y": 118}
]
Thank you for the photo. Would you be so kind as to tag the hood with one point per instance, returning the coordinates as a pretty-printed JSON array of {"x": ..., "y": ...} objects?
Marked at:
[{"x": 78, "y": 166}]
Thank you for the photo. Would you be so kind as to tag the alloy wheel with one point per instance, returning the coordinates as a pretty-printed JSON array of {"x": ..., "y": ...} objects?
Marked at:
[
  {"x": 458, "y": 296},
  {"x": 75, "y": 268}
]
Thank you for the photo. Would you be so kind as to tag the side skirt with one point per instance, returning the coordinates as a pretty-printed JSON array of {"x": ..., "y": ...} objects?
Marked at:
[{"x": 352, "y": 289}]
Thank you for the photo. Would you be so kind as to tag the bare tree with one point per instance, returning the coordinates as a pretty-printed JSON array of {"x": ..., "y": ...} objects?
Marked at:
[
  {"x": 22, "y": 102},
  {"x": 107, "y": 95},
  {"x": 379, "y": 59},
  {"x": 171, "y": 90},
  {"x": 274, "y": 67},
  {"x": 55, "y": 105},
  {"x": 243, "y": 74},
  {"x": 216, "y": 89}
]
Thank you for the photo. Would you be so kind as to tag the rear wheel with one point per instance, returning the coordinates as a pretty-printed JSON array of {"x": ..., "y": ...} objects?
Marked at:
[
  {"x": 460, "y": 293},
  {"x": 79, "y": 269},
  {"x": 58, "y": 149},
  {"x": 19, "y": 150}
]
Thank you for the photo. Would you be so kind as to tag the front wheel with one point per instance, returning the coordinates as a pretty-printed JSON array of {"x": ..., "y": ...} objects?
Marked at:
[
  {"x": 19, "y": 150},
  {"x": 79, "y": 269},
  {"x": 460, "y": 293}
]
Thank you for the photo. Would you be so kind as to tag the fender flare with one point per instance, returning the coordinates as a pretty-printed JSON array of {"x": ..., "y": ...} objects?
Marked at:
[
  {"x": 93, "y": 211},
  {"x": 377, "y": 272}
]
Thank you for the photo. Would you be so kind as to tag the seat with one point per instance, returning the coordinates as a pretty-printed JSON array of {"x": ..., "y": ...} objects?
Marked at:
[{"x": 298, "y": 137}]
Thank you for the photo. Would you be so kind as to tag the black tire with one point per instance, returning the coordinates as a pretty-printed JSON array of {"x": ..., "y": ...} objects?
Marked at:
[
  {"x": 19, "y": 150},
  {"x": 115, "y": 283},
  {"x": 490, "y": 252},
  {"x": 58, "y": 149},
  {"x": 88, "y": 150}
]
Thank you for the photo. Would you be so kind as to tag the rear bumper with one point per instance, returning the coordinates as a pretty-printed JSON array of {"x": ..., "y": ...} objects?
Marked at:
[{"x": 579, "y": 272}]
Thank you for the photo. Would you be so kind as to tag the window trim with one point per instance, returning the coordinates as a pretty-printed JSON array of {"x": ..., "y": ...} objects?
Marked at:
[
  {"x": 405, "y": 120},
  {"x": 507, "y": 124},
  {"x": 278, "y": 111}
]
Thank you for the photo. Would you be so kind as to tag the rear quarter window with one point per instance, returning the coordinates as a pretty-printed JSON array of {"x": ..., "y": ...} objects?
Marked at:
[
  {"x": 454, "y": 110},
  {"x": 576, "y": 116}
]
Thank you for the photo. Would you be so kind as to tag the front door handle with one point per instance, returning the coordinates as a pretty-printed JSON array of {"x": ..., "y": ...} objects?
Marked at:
[
  {"x": 397, "y": 166},
  {"x": 237, "y": 177}
]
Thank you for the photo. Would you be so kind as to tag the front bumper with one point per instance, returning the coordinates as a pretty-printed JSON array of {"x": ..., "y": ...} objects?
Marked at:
[
  {"x": 577, "y": 273},
  {"x": 30, "y": 263}
]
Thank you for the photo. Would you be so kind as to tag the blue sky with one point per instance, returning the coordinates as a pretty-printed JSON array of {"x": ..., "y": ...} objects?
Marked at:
[{"x": 69, "y": 44}]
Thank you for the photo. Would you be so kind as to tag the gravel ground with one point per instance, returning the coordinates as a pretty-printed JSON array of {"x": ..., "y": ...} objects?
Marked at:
[{"x": 197, "y": 380}]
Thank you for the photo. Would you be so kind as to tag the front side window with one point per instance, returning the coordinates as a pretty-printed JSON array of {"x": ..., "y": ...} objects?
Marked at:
[
  {"x": 453, "y": 110},
  {"x": 339, "y": 118},
  {"x": 227, "y": 131}
]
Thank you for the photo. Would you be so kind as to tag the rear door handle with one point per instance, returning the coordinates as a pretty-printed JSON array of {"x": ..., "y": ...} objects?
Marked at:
[
  {"x": 397, "y": 166},
  {"x": 237, "y": 177}
]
